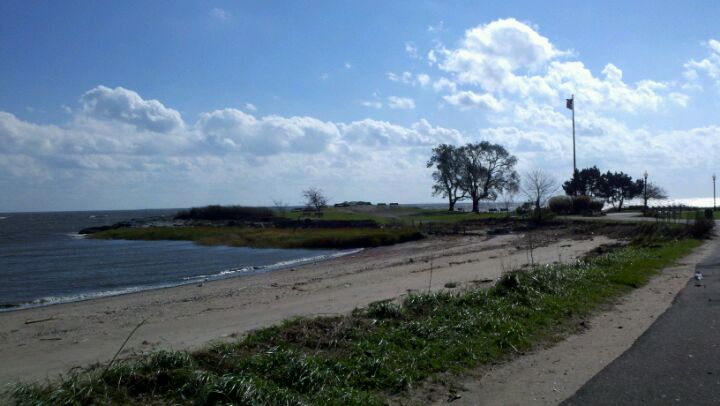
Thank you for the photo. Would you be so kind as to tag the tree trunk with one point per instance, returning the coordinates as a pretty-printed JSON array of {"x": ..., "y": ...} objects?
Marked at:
[
  {"x": 476, "y": 205},
  {"x": 451, "y": 204}
]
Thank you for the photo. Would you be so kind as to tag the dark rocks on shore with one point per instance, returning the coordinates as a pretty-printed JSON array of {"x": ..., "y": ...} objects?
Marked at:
[{"x": 92, "y": 230}]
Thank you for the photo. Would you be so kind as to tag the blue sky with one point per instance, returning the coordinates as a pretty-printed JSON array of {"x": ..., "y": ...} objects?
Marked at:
[{"x": 109, "y": 105}]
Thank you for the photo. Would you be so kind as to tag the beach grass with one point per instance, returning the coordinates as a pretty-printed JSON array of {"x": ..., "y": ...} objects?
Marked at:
[
  {"x": 693, "y": 214},
  {"x": 374, "y": 355},
  {"x": 396, "y": 215},
  {"x": 334, "y": 238}
]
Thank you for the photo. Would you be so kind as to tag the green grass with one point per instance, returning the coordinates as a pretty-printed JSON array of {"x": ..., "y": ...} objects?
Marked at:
[
  {"x": 334, "y": 238},
  {"x": 692, "y": 215},
  {"x": 445, "y": 216},
  {"x": 396, "y": 215},
  {"x": 375, "y": 354}
]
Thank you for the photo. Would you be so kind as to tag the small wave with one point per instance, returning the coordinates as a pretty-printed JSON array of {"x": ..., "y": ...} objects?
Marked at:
[
  {"x": 51, "y": 300},
  {"x": 3, "y": 218},
  {"x": 76, "y": 236},
  {"x": 276, "y": 266},
  {"x": 227, "y": 273}
]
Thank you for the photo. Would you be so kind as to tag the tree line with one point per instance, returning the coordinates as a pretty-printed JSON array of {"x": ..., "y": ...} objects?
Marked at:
[
  {"x": 484, "y": 171},
  {"x": 613, "y": 187}
]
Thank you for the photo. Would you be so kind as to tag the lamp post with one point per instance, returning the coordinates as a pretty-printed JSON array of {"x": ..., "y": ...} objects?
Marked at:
[
  {"x": 645, "y": 196},
  {"x": 713, "y": 192}
]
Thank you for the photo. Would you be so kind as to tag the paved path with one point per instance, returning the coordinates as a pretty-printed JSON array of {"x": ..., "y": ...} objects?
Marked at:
[{"x": 676, "y": 361}]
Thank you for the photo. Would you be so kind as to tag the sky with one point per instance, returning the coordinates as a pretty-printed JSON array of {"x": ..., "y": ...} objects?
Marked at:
[{"x": 135, "y": 104}]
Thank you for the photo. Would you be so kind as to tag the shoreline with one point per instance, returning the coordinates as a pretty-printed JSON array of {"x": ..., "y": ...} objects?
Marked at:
[
  {"x": 65, "y": 336},
  {"x": 231, "y": 273}
]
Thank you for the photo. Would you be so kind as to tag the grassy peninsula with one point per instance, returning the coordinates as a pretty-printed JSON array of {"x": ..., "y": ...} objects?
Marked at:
[
  {"x": 332, "y": 238},
  {"x": 376, "y": 354},
  {"x": 332, "y": 228}
]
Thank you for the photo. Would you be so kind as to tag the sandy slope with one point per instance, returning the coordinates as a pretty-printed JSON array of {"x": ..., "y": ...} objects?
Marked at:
[{"x": 79, "y": 334}]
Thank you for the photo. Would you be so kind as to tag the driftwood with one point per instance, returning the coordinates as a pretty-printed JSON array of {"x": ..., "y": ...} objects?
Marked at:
[{"x": 39, "y": 320}]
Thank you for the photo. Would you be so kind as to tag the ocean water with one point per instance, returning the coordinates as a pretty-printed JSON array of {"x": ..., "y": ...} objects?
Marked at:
[{"x": 44, "y": 261}]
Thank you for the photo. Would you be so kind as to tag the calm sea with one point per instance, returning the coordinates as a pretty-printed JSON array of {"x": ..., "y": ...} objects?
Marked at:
[{"x": 44, "y": 261}]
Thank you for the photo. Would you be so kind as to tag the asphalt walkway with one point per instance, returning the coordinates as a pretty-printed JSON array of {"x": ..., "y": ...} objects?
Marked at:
[{"x": 676, "y": 361}]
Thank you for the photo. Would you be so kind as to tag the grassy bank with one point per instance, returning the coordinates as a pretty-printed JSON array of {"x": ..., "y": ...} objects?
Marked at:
[
  {"x": 397, "y": 215},
  {"x": 692, "y": 215},
  {"x": 335, "y": 238},
  {"x": 377, "y": 354}
]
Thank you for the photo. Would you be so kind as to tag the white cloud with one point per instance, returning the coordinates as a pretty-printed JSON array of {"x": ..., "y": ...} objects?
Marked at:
[
  {"x": 443, "y": 84},
  {"x": 376, "y": 104},
  {"x": 348, "y": 65},
  {"x": 679, "y": 99},
  {"x": 708, "y": 66},
  {"x": 127, "y": 106},
  {"x": 411, "y": 50},
  {"x": 250, "y": 107},
  {"x": 231, "y": 129},
  {"x": 508, "y": 59},
  {"x": 401, "y": 103},
  {"x": 468, "y": 99},
  {"x": 381, "y": 133},
  {"x": 405, "y": 77},
  {"x": 490, "y": 53},
  {"x": 219, "y": 13},
  {"x": 408, "y": 78},
  {"x": 439, "y": 27},
  {"x": 423, "y": 79}
]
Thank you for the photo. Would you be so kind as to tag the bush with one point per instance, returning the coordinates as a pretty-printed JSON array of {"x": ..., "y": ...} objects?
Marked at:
[
  {"x": 709, "y": 214},
  {"x": 581, "y": 204},
  {"x": 596, "y": 205},
  {"x": 524, "y": 209},
  {"x": 560, "y": 204},
  {"x": 702, "y": 226},
  {"x": 216, "y": 212}
]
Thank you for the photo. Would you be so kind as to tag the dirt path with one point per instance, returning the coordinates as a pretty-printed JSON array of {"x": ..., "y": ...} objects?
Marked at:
[
  {"x": 549, "y": 376},
  {"x": 44, "y": 342}
]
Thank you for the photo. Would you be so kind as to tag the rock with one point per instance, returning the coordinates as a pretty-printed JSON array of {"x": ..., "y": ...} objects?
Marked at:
[{"x": 92, "y": 230}]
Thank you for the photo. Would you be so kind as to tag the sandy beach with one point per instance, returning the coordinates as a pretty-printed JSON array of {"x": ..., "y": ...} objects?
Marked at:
[{"x": 44, "y": 342}]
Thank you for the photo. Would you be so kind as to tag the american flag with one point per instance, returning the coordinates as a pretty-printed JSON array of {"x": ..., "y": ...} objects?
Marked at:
[{"x": 570, "y": 103}]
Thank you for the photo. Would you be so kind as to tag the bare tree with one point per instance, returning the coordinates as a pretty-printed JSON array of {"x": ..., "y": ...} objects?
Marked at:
[
  {"x": 538, "y": 186},
  {"x": 507, "y": 196},
  {"x": 315, "y": 199},
  {"x": 653, "y": 191},
  {"x": 280, "y": 206}
]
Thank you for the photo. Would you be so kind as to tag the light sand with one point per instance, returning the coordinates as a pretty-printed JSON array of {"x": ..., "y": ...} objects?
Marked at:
[
  {"x": 83, "y": 333},
  {"x": 549, "y": 376}
]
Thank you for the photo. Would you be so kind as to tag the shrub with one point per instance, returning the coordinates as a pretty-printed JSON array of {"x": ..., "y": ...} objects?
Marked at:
[
  {"x": 524, "y": 209},
  {"x": 702, "y": 226},
  {"x": 581, "y": 204},
  {"x": 560, "y": 204},
  {"x": 596, "y": 205},
  {"x": 216, "y": 212},
  {"x": 709, "y": 214}
]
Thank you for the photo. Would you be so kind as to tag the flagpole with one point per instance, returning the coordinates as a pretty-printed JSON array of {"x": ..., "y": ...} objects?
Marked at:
[{"x": 572, "y": 97}]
